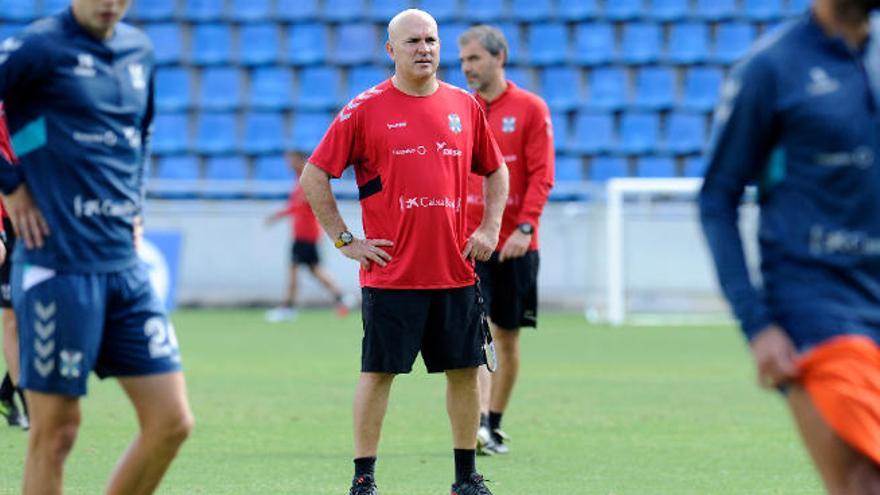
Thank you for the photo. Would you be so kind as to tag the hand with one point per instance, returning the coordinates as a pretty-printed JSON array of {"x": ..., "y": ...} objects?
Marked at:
[
  {"x": 367, "y": 251},
  {"x": 137, "y": 231},
  {"x": 27, "y": 220},
  {"x": 3, "y": 252},
  {"x": 775, "y": 357},
  {"x": 516, "y": 246},
  {"x": 480, "y": 245}
]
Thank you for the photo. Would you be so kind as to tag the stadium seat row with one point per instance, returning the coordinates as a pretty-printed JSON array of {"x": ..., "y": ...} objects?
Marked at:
[{"x": 245, "y": 11}]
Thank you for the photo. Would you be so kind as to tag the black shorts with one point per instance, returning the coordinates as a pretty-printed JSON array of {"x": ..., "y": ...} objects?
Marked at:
[
  {"x": 510, "y": 290},
  {"x": 6, "y": 267},
  {"x": 444, "y": 324},
  {"x": 304, "y": 253}
]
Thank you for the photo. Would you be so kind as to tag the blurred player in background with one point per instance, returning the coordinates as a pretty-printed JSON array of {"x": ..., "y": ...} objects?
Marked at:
[
  {"x": 306, "y": 232},
  {"x": 413, "y": 141},
  {"x": 520, "y": 122},
  {"x": 9, "y": 389},
  {"x": 78, "y": 90},
  {"x": 799, "y": 117}
]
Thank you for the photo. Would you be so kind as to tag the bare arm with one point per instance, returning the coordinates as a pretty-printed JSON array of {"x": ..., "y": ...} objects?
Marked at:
[
  {"x": 316, "y": 184},
  {"x": 484, "y": 239}
]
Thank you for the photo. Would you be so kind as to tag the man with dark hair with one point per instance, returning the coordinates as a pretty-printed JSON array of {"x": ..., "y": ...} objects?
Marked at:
[
  {"x": 520, "y": 122},
  {"x": 799, "y": 117},
  {"x": 413, "y": 140}
]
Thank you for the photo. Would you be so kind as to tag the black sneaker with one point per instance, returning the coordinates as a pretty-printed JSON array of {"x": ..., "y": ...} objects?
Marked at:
[
  {"x": 473, "y": 486},
  {"x": 364, "y": 485}
]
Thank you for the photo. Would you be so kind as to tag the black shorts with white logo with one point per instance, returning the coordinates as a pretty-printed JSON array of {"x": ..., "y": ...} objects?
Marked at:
[
  {"x": 444, "y": 324},
  {"x": 6, "y": 267},
  {"x": 510, "y": 290},
  {"x": 304, "y": 253}
]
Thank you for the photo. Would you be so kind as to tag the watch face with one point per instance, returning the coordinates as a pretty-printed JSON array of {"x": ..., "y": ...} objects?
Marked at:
[
  {"x": 346, "y": 237},
  {"x": 526, "y": 228}
]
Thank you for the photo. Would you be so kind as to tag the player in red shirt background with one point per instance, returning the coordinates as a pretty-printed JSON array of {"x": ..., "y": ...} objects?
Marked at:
[
  {"x": 305, "y": 232},
  {"x": 413, "y": 141},
  {"x": 520, "y": 122}
]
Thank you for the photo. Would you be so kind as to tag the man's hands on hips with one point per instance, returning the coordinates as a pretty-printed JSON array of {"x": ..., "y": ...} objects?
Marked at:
[
  {"x": 481, "y": 244},
  {"x": 28, "y": 221},
  {"x": 775, "y": 357},
  {"x": 516, "y": 246},
  {"x": 367, "y": 251}
]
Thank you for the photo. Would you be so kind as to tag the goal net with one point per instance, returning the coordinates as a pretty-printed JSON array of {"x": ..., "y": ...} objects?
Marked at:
[{"x": 659, "y": 269}]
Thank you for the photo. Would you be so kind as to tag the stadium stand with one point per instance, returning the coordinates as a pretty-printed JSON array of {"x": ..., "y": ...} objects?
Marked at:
[
  {"x": 220, "y": 89},
  {"x": 258, "y": 44},
  {"x": 174, "y": 89}
]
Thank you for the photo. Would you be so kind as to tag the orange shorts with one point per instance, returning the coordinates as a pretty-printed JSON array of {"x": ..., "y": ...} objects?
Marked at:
[{"x": 842, "y": 377}]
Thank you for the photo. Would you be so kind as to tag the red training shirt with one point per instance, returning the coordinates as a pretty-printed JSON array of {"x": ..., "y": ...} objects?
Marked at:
[
  {"x": 412, "y": 156},
  {"x": 304, "y": 225},
  {"x": 520, "y": 122}
]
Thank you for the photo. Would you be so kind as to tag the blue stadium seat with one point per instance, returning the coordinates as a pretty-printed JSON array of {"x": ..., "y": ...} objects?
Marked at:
[
  {"x": 521, "y": 76},
  {"x": 569, "y": 168},
  {"x": 449, "y": 34},
  {"x": 296, "y": 10},
  {"x": 216, "y": 133},
  {"x": 383, "y": 10},
  {"x": 442, "y": 10},
  {"x": 455, "y": 77},
  {"x": 732, "y": 40},
  {"x": 258, "y": 44},
  {"x": 641, "y": 43},
  {"x": 18, "y": 10},
  {"x": 656, "y": 166},
  {"x": 173, "y": 89},
  {"x": 561, "y": 88},
  {"x": 578, "y": 10},
  {"x": 308, "y": 129},
  {"x": 624, "y": 10},
  {"x": 514, "y": 37},
  {"x": 670, "y": 10},
  {"x": 178, "y": 167},
  {"x": 171, "y": 133},
  {"x": 204, "y": 10},
  {"x": 639, "y": 133},
  {"x": 364, "y": 77},
  {"x": 701, "y": 87},
  {"x": 356, "y": 44},
  {"x": 344, "y": 10},
  {"x": 231, "y": 169},
  {"x": 271, "y": 88},
  {"x": 609, "y": 88},
  {"x": 688, "y": 43},
  {"x": 548, "y": 44},
  {"x": 250, "y": 10},
  {"x": 594, "y": 44},
  {"x": 763, "y": 10},
  {"x": 483, "y": 11},
  {"x": 152, "y": 10},
  {"x": 694, "y": 166},
  {"x": 318, "y": 89},
  {"x": 306, "y": 44},
  {"x": 273, "y": 167},
  {"x": 561, "y": 131},
  {"x": 54, "y": 6},
  {"x": 531, "y": 10},
  {"x": 716, "y": 10},
  {"x": 167, "y": 42},
  {"x": 263, "y": 133},
  {"x": 221, "y": 89},
  {"x": 685, "y": 133},
  {"x": 795, "y": 7},
  {"x": 593, "y": 133},
  {"x": 211, "y": 44},
  {"x": 655, "y": 88},
  {"x": 603, "y": 168}
]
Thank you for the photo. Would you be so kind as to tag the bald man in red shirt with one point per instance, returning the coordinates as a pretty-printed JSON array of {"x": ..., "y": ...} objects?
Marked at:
[{"x": 520, "y": 122}]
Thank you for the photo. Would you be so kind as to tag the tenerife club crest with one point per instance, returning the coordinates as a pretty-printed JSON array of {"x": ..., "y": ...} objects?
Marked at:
[
  {"x": 508, "y": 124},
  {"x": 454, "y": 123}
]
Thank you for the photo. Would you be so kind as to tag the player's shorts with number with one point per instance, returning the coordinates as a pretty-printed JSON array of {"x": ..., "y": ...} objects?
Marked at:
[{"x": 73, "y": 323}]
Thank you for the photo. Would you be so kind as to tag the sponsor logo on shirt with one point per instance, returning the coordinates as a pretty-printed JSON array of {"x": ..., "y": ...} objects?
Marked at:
[
  {"x": 107, "y": 138},
  {"x": 443, "y": 150},
  {"x": 825, "y": 242},
  {"x": 418, "y": 150},
  {"x": 508, "y": 124},
  {"x": 85, "y": 65},
  {"x": 454, "y": 123},
  {"x": 509, "y": 158},
  {"x": 429, "y": 202},
  {"x": 862, "y": 157},
  {"x": 396, "y": 125},
  {"x": 138, "y": 76},
  {"x": 87, "y": 208},
  {"x": 821, "y": 83},
  {"x": 133, "y": 136}
]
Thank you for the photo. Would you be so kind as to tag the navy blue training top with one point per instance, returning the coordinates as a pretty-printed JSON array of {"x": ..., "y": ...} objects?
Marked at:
[
  {"x": 799, "y": 117},
  {"x": 79, "y": 111}
]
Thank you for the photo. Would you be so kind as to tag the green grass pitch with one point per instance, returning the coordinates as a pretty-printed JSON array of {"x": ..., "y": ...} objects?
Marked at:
[{"x": 639, "y": 411}]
